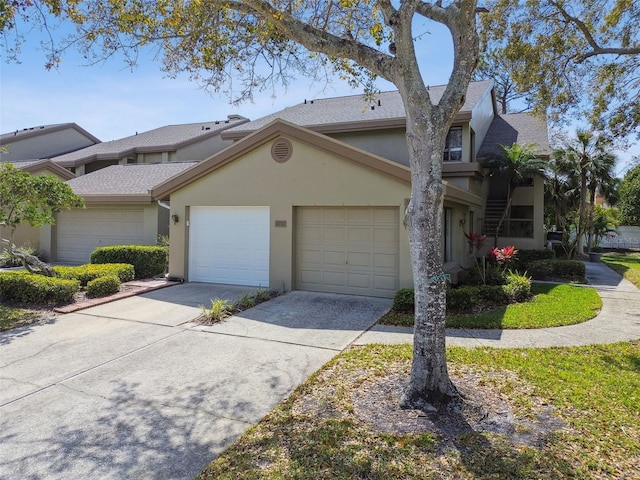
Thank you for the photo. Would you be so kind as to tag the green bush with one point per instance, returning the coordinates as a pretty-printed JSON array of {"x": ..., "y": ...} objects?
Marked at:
[
  {"x": 462, "y": 299},
  {"x": 86, "y": 273},
  {"x": 556, "y": 270},
  {"x": 524, "y": 258},
  {"x": 403, "y": 300},
  {"x": 540, "y": 269},
  {"x": 25, "y": 287},
  {"x": 517, "y": 288},
  {"x": 492, "y": 295},
  {"x": 570, "y": 269},
  {"x": 103, "y": 286},
  {"x": 147, "y": 261}
]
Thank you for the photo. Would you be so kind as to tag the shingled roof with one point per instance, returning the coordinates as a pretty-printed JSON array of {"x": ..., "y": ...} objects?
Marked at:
[
  {"x": 123, "y": 183},
  {"x": 355, "y": 112},
  {"x": 164, "y": 139},
  {"x": 521, "y": 128}
]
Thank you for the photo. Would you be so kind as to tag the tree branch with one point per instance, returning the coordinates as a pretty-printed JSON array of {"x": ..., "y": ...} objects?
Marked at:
[
  {"x": 318, "y": 40},
  {"x": 596, "y": 49}
]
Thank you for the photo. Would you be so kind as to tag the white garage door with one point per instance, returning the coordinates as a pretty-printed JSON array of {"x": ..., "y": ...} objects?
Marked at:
[
  {"x": 79, "y": 232},
  {"x": 347, "y": 250},
  {"x": 229, "y": 245}
]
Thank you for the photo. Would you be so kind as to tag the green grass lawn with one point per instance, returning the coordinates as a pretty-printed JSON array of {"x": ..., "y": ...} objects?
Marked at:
[
  {"x": 626, "y": 264},
  {"x": 554, "y": 305},
  {"x": 325, "y": 428},
  {"x": 11, "y": 317}
]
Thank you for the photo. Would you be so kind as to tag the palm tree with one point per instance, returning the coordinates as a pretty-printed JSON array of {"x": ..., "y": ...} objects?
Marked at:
[
  {"x": 601, "y": 180},
  {"x": 562, "y": 198},
  {"x": 589, "y": 152},
  {"x": 516, "y": 164}
]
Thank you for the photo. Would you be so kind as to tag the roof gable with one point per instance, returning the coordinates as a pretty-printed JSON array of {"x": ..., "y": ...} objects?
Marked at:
[{"x": 275, "y": 129}]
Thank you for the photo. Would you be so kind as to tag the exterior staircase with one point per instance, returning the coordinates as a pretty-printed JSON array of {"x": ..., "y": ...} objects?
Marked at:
[{"x": 492, "y": 215}]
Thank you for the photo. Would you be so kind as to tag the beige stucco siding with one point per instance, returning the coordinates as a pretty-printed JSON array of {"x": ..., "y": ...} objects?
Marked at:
[
  {"x": 45, "y": 145},
  {"x": 481, "y": 119},
  {"x": 311, "y": 177},
  {"x": 529, "y": 196},
  {"x": 388, "y": 143}
]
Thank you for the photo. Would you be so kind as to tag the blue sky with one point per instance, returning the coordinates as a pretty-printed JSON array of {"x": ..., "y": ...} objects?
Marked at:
[{"x": 112, "y": 101}]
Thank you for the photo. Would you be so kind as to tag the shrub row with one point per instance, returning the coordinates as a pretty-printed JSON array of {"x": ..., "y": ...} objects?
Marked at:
[
  {"x": 147, "y": 261},
  {"x": 556, "y": 269},
  {"x": 25, "y": 287},
  {"x": 516, "y": 288},
  {"x": 86, "y": 273},
  {"x": 524, "y": 258}
]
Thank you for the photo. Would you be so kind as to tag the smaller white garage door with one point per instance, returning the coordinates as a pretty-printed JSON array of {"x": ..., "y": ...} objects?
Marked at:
[
  {"x": 80, "y": 232},
  {"x": 229, "y": 245},
  {"x": 352, "y": 250}
]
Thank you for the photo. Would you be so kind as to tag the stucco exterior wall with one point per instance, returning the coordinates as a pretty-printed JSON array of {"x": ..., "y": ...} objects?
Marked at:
[
  {"x": 389, "y": 143},
  {"x": 311, "y": 177},
  {"x": 201, "y": 150},
  {"x": 482, "y": 116},
  {"x": 45, "y": 145}
]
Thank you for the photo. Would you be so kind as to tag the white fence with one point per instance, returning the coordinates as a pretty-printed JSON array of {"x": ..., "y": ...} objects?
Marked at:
[{"x": 626, "y": 237}]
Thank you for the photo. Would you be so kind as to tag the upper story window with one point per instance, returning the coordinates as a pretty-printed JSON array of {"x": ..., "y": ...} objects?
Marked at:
[{"x": 453, "y": 147}]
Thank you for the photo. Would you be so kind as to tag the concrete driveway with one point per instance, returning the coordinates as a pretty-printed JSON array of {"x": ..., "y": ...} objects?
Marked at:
[{"x": 134, "y": 389}]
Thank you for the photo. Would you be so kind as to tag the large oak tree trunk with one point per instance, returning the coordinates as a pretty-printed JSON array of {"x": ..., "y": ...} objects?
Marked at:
[{"x": 430, "y": 386}]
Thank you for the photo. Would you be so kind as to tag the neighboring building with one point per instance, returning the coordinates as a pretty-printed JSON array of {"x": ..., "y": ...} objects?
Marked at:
[
  {"x": 171, "y": 143},
  {"x": 120, "y": 210},
  {"x": 44, "y": 142},
  {"x": 313, "y": 197},
  {"x": 26, "y": 234}
]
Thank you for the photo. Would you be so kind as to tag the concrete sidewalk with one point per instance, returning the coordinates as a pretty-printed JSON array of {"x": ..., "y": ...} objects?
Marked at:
[{"x": 618, "y": 321}]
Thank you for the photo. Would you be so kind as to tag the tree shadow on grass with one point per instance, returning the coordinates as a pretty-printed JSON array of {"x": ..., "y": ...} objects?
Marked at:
[{"x": 124, "y": 433}]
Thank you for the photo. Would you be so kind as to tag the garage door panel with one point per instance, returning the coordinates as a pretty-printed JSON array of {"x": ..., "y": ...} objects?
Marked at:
[
  {"x": 334, "y": 235},
  {"x": 385, "y": 261},
  {"x": 229, "y": 245},
  {"x": 386, "y": 283},
  {"x": 360, "y": 235},
  {"x": 359, "y": 259},
  {"x": 333, "y": 258},
  {"x": 79, "y": 232},
  {"x": 359, "y": 215},
  {"x": 337, "y": 215},
  {"x": 349, "y": 249},
  {"x": 332, "y": 278}
]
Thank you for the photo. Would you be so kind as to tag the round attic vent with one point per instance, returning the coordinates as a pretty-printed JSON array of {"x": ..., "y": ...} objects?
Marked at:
[{"x": 281, "y": 150}]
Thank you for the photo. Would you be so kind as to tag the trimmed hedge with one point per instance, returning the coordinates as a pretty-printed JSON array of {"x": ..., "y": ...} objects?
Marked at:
[
  {"x": 403, "y": 300},
  {"x": 524, "y": 258},
  {"x": 517, "y": 288},
  {"x": 147, "y": 261},
  {"x": 86, "y": 273},
  {"x": 25, "y": 287},
  {"x": 557, "y": 269},
  {"x": 103, "y": 286}
]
